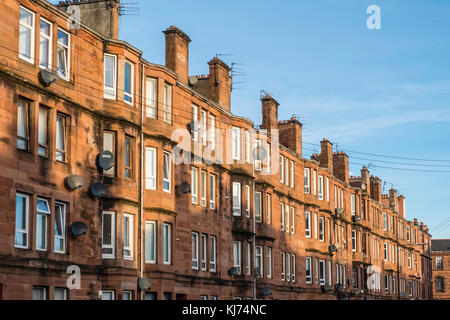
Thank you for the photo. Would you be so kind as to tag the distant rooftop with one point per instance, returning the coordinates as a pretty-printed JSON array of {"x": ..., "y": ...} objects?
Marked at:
[{"x": 440, "y": 245}]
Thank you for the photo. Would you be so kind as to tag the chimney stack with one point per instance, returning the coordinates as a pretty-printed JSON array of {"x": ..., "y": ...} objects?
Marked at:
[
  {"x": 269, "y": 113},
  {"x": 177, "y": 53},
  {"x": 220, "y": 83},
  {"x": 365, "y": 179},
  {"x": 401, "y": 206},
  {"x": 393, "y": 199},
  {"x": 290, "y": 134},
  {"x": 340, "y": 166},
  {"x": 326, "y": 154},
  {"x": 375, "y": 187},
  {"x": 100, "y": 16}
]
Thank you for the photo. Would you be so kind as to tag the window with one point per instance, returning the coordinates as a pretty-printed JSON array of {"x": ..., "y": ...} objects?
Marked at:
[
  {"x": 322, "y": 272},
  {"x": 212, "y": 191},
  {"x": 269, "y": 209},
  {"x": 247, "y": 208},
  {"x": 63, "y": 54},
  {"x": 108, "y": 294},
  {"x": 45, "y": 44},
  {"x": 337, "y": 274},
  {"x": 393, "y": 284},
  {"x": 259, "y": 260},
  {"x": 212, "y": 131},
  {"x": 236, "y": 143},
  {"x": 281, "y": 169},
  {"x": 150, "y": 168},
  {"x": 315, "y": 226},
  {"x": 307, "y": 180},
  {"x": 127, "y": 295},
  {"x": 203, "y": 189},
  {"x": 293, "y": 268},
  {"x": 314, "y": 182},
  {"x": 203, "y": 127},
  {"x": 60, "y": 294},
  {"x": 258, "y": 205},
  {"x": 167, "y": 172},
  {"x": 109, "y": 235},
  {"x": 286, "y": 172},
  {"x": 409, "y": 261},
  {"x": 440, "y": 285},
  {"x": 308, "y": 270},
  {"x": 194, "y": 183},
  {"x": 43, "y": 132},
  {"x": 308, "y": 224},
  {"x": 288, "y": 267},
  {"x": 353, "y": 204},
  {"x": 195, "y": 250},
  {"x": 292, "y": 173},
  {"x": 257, "y": 160},
  {"x": 237, "y": 254},
  {"x": 168, "y": 103},
  {"x": 109, "y": 144},
  {"x": 386, "y": 252},
  {"x": 439, "y": 265},
  {"x": 293, "y": 220},
  {"x": 386, "y": 284},
  {"x": 269, "y": 262},
  {"x": 167, "y": 243},
  {"x": 23, "y": 125},
  {"x": 328, "y": 189},
  {"x": 128, "y": 236},
  {"x": 316, "y": 270},
  {"x": 354, "y": 248},
  {"x": 151, "y": 106},
  {"x": 321, "y": 229},
  {"x": 61, "y": 138},
  {"x": 26, "y": 35},
  {"x": 203, "y": 252},
  {"x": 248, "y": 265},
  {"x": 150, "y": 241},
  {"x": 195, "y": 126},
  {"x": 283, "y": 267},
  {"x": 203, "y": 298},
  {"x": 236, "y": 198},
  {"x": 384, "y": 221},
  {"x": 212, "y": 254},
  {"x": 60, "y": 228},
  {"x": 287, "y": 218},
  {"x": 320, "y": 187},
  {"x": 329, "y": 272},
  {"x": 128, "y": 83},
  {"x": 392, "y": 254},
  {"x": 22, "y": 212},
  {"x": 128, "y": 157},
  {"x": 408, "y": 233},
  {"x": 42, "y": 211},
  {"x": 40, "y": 293},
  {"x": 247, "y": 146},
  {"x": 150, "y": 296},
  {"x": 110, "y": 76},
  {"x": 282, "y": 215}
]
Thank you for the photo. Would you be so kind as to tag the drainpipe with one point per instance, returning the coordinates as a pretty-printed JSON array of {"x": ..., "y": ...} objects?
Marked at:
[
  {"x": 141, "y": 188},
  {"x": 254, "y": 235}
]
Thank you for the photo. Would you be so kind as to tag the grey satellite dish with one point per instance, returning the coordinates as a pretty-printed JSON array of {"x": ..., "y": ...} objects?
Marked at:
[
  {"x": 98, "y": 189},
  {"x": 195, "y": 126},
  {"x": 79, "y": 229},
  {"x": 267, "y": 290},
  {"x": 332, "y": 248},
  {"x": 48, "y": 77},
  {"x": 144, "y": 283},
  {"x": 193, "y": 81},
  {"x": 106, "y": 160},
  {"x": 259, "y": 153},
  {"x": 184, "y": 187},
  {"x": 74, "y": 182}
]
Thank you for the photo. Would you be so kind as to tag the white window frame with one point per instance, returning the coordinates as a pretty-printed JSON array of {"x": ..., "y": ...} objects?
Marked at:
[
  {"x": 316, "y": 269},
  {"x": 308, "y": 267},
  {"x": 195, "y": 250},
  {"x": 237, "y": 255},
  {"x": 269, "y": 262},
  {"x": 292, "y": 173},
  {"x": 237, "y": 195},
  {"x": 292, "y": 220},
  {"x": 385, "y": 221},
  {"x": 203, "y": 179},
  {"x": 212, "y": 191},
  {"x": 150, "y": 168},
  {"x": 203, "y": 251},
  {"x": 286, "y": 171},
  {"x": 63, "y": 227},
  {"x": 247, "y": 147},
  {"x": 27, "y": 218},
  {"x": 113, "y": 235},
  {"x": 129, "y": 95},
  {"x": 151, "y": 97},
  {"x": 248, "y": 265},
  {"x": 148, "y": 241},
  {"x": 283, "y": 266},
  {"x": 308, "y": 224},
  {"x": 110, "y": 92},
  {"x": 307, "y": 180},
  {"x": 330, "y": 272},
  {"x": 32, "y": 30},
  {"x": 354, "y": 244},
  {"x": 203, "y": 117},
  {"x": 212, "y": 132},
  {"x": 169, "y": 172},
  {"x": 282, "y": 215},
  {"x": 386, "y": 252},
  {"x": 167, "y": 237},
  {"x": 269, "y": 209},
  {"x": 194, "y": 185},
  {"x": 293, "y": 268},
  {"x": 259, "y": 259},
  {"x": 322, "y": 272},
  {"x": 315, "y": 182},
  {"x": 288, "y": 267},
  {"x": 321, "y": 229},
  {"x": 328, "y": 189},
  {"x": 67, "y": 75},
  {"x": 130, "y": 233},
  {"x": 353, "y": 204},
  {"x": 247, "y": 207},
  {"x": 168, "y": 97},
  {"x": 213, "y": 254},
  {"x": 258, "y": 206},
  {"x": 45, "y": 215},
  {"x": 49, "y": 38},
  {"x": 316, "y": 227},
  {"x": 195, "y": 123},
  {"x": 321, "y": 195},
  {"x": 236, "y": 143},
  {"x": 287, "y": 212},
  {"x": 281, "y": 169}
]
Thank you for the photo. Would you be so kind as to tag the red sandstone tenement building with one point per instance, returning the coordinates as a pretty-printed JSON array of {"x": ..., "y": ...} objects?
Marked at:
[
  {"x": 161, "y": 230},
  {"x": 440, "y": 249}
]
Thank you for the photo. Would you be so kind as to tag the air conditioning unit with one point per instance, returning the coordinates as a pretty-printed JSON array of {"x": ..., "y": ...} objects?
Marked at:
[
  {"x": 356, "y": 218},
  {"x": 339, "y": 211}
]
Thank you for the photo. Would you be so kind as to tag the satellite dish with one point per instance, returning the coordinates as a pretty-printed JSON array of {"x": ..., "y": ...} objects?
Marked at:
[
  {"x": 79, "y": 229},
  {"x": 267, "y": 290},
  {"x": 106, "y": 160},
  {"x": 144, "y": 283},
  {"x": 193, "y": 81},
  {"x": 74, "y": 182},
  {"x": 332, "y": 248},
  {"x": 98, "y": 189},
  {"x": 47, "y": 77},
  {"x": 233, "y": 271},
  {"x": 195, "y": 126},
  {"x": 259, "y": 153},
  {"x": 184, "y": 187}
]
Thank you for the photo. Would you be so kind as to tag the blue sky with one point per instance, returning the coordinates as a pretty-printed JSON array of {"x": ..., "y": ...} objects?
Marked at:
[{"x": 376, "y": 91}]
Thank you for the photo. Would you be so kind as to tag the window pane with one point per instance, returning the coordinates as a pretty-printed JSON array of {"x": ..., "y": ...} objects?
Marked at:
[
  {"x": 25, "y": 41},
  {"x": 41, "y": 228},
  {"x": 60, "y": 138},
  {"x": 42, "y": 135},
  {"x": 107, "y": 227},
  {"x": 150, "y": 241},
  {"x": 109, "y": 71}
]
